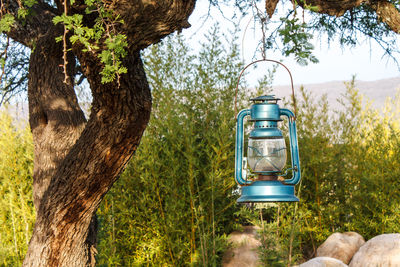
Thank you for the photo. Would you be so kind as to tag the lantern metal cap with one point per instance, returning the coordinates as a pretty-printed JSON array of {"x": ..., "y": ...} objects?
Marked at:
[{"x": 265, "y": 98}]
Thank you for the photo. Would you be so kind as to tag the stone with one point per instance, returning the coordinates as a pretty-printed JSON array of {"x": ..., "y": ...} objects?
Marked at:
[
  {"x": 323, "y": 262},
  {"x": 341, "y": 246},
  {"x": 382, "y": 250},
  {"x": 243, "y": 252}
]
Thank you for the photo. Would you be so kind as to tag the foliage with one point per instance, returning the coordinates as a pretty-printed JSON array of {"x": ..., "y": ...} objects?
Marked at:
[
  {"x": 296, "y": 41},
  {"x": 101, "y": 37},
  {"x": 16, "y": 206},
  {"x": 349, "y": 177},
  {"x": 24, "y": 9},
  {"x": 6, "y": 22},
  {"x": 175, "y": 202}
]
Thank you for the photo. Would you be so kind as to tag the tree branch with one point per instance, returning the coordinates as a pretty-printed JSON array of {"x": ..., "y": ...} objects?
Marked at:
[
  {"x": 270, "y": 6},
  {"x": 38, "y": 21},
  {"x": 147, "y": 22},
  {"x": 332, "y": 8},
  {"x": 388, "y": 13}
]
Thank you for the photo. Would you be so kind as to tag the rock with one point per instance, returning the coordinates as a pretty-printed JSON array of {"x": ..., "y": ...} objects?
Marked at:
[
  {"x": 382, "y": 250},
  {"x": 244, "y": 249},
  {"x": 341, "y": 246},
  {"x": 323, "y": 262}
]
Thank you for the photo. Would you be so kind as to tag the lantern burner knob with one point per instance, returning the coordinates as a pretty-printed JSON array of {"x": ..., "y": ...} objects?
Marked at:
[{"x": 267, "y": 99}]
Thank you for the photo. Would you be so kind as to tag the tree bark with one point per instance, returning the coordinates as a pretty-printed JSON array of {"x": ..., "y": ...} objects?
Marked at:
[
  {"x": 270, "y": 6},
  {"x": 388, "y": 13},
  {"x": 56, "y": 119},
  {"x": 27, "y": 31}
]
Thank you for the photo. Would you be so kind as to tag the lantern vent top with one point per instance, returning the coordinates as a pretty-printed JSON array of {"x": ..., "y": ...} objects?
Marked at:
[{"x": 267, "y": 99}]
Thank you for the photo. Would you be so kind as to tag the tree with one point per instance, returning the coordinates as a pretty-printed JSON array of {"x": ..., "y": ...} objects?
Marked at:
[{"x": 76, "y": 161}]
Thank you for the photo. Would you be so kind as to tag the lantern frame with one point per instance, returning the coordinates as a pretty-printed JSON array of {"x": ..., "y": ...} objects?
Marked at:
[{"x": 266, "y": 113}]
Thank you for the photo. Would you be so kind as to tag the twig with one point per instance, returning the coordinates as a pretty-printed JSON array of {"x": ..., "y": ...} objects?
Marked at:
[
  {"x": 4, "y": 54},
  {"x": 109, "y": 35},
  {"x": 66, "y": 77},
  {"x": 264, "y": 19}
]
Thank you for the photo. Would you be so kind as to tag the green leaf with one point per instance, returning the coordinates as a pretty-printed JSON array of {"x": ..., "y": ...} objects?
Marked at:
[
  {"x": 29, "y": 3},
  {"x": 7, "y": 20},
  {"x": 59, "y": 39},
  {"x": 22, "y": 13},
  {"x": 58, "y": 19}
]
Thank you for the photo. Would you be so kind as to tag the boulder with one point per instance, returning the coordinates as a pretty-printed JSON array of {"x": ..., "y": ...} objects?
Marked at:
[
  {"x": 323, "y": 262},
  {"x": 382, "y": 250},
  {"x": 243, "y": 252},
  {"x": 341, "y": 246}
]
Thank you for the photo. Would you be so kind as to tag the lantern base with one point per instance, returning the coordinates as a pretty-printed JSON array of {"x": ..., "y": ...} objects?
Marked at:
[{"x": 267, "y": 191}]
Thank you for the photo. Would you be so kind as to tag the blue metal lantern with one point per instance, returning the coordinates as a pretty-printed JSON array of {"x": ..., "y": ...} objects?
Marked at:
[{"x": 266, "y": 152}]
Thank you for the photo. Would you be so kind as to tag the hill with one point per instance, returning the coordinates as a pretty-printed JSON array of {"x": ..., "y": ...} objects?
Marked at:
[{"x": 375, "y": 91}]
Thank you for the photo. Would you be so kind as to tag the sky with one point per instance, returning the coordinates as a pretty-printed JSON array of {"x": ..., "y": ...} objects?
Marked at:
[{"x": 365, "y": 61}]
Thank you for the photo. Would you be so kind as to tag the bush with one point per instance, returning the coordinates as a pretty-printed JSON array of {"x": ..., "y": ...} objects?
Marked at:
[
  {"x": 175, "y": 202},
  {"x": 16, "y": 206},
  {"x": 349, "y": 176}
]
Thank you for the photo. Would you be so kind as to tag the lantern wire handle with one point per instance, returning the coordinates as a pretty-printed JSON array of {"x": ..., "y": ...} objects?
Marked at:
[{"x": 267, "y": 60}]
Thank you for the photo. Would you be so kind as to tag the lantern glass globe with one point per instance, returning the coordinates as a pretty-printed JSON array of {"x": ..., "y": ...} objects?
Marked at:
[{"x": 266, "y": 155}]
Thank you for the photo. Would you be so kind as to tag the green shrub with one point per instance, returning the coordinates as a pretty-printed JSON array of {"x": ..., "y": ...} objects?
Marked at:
[
  {"x": 16, "y": 205},
  {"x": 349, "y": 175},
  {"x": 175, "y": 202}
]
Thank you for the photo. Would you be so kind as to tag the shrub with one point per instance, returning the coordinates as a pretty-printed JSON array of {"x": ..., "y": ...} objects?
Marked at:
[{"x": 16, "y": 206}]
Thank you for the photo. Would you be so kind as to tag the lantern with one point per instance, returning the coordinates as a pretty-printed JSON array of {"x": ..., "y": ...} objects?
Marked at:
[{"x": 266, "y": 153}]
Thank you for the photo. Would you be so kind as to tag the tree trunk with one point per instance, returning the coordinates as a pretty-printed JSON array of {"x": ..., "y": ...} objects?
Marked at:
[
  {"x": 74, "y": 168},
  {"x": 55, "y": 117}
]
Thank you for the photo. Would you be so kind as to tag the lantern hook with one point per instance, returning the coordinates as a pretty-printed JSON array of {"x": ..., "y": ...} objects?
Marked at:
[{"x": 266, "y": 60}]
